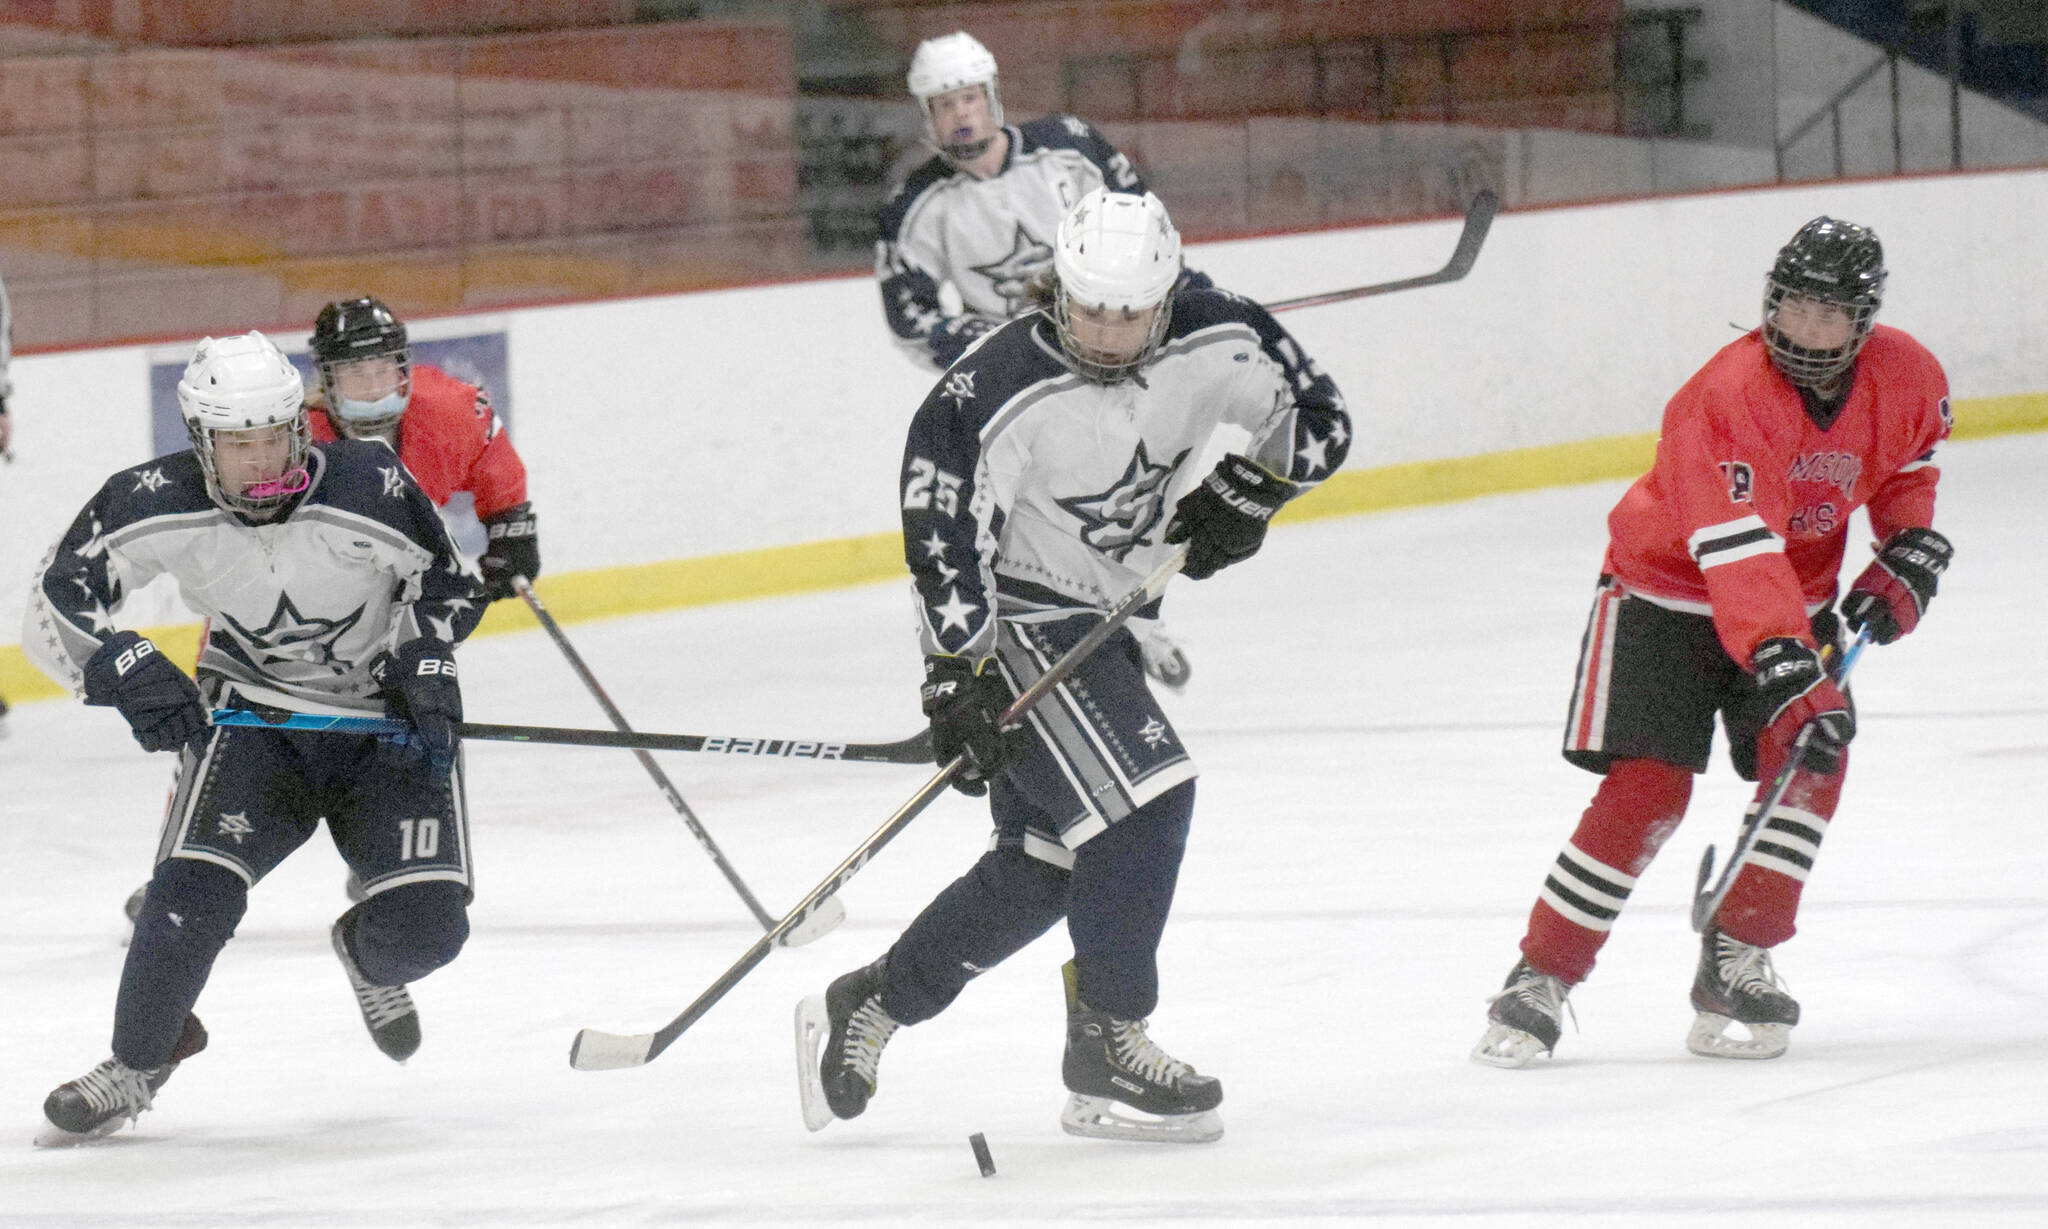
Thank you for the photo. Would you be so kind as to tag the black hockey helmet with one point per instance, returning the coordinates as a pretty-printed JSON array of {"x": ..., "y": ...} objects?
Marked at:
[
  {"x": 350, "y": 331},
  {"x": 1829, "y": 261}
]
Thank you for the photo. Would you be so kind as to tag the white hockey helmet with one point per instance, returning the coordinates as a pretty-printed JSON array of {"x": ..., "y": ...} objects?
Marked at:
[
  {"x": 951, "y": 62},
  {"x": 245, "y": 384},
  {"x": 1115, "y": 251}
]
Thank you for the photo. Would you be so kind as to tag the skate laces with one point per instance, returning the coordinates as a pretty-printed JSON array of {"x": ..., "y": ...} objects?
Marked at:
[
  {"x": 115, "y": 1087},
  {"x": 1136, "y": 1050},
  {"x": 867, "y": 1031},
  {"x": 1745, "y": 968},
  {"x": 1539, "y": 992},
  {"x": 381, "y": 1004}
]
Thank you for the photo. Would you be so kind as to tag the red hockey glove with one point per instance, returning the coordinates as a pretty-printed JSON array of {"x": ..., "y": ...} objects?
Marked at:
[
  {"x": 1893, "y": 592},
  {"x": 1796, "y": 692}
]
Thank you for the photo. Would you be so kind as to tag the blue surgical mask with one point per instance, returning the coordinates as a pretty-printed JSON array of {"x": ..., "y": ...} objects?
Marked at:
[{"x": 383, "y": 409}]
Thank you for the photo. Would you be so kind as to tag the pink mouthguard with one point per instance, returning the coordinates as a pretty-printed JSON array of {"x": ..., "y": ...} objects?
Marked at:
[{"x": 291, "y": 483}]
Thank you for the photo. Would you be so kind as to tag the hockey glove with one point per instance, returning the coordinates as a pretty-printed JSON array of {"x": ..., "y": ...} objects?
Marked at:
[
  {"x": 420, "y": 688},
  {"x": 1894, "y": 591},
  {"x": 159, "y": 701},
  {"x": 1223, "y": 521},
  {"x": 513, "y": 549},
  {"x": 963, "y": 700},
  {"x": 1796, "y": 691}
]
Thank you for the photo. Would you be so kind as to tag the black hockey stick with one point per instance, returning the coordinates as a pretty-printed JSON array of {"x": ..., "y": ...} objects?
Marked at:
[
  {"x": 1705, "y": 902},
  {"x": 821, "y": 922},
  {"x": 596, "y": 1050},
  {"x": 917, "y": 749},
  {"x": 1478, "y": 220}
]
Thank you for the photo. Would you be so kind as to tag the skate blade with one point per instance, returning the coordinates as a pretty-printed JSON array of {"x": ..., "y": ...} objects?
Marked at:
[
  {"x": 1503, "y": 1046},
  {"x": 811, "y": 1026},
  {"x": 1709, "y": 1038},
  {"x": 1171, "y": 669},
  {"x": 822, "y": 921},
  {"x": 1103, "y": 1118},
  {"x": 53, "y": 1136}
]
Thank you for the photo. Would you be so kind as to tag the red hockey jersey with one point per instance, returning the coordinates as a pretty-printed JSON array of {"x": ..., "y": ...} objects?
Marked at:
[
  {"x": 451, "y": 440},
  {"x": 1745, "y": 514}
]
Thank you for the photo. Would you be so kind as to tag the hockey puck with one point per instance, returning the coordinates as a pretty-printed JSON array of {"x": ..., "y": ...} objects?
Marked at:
[{"x": 979, "y": 1143}]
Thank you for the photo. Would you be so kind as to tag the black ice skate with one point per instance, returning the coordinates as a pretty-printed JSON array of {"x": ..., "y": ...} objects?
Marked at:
[
  {"x": 387, "y": 1010},
  {"x": 1737, "y": 985},
  {"x": 111, "y": 1095},
  {"x": 1524, "y": 1020},
  {"x": 1112, "y": 1067},
  {"x": 839, "y": 1040}
]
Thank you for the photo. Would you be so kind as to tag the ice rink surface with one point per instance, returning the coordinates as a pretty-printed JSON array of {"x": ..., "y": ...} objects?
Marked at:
[{"x": 1376, "y": 705}]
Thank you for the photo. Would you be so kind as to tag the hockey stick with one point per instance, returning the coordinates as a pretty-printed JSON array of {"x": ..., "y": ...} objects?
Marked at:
[
  {"x": 829, "y": 915},
  {"x": 1706, "y": 903},
  {"x": 596, "y": 1050},
  {"x": 1478, "y": 220},
  {"x": 917, "y": 749}
]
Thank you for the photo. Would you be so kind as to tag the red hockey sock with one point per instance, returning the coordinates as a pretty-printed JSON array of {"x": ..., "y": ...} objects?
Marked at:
[
  {"x": 1637, "y": 806},
  {"x": 1763, "y": 903}
]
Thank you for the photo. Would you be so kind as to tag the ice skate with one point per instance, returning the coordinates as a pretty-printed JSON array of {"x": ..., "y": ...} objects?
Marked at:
[
  {"x": 1737, "y": 985},
  {"x": 387, "y": 1010},
  {"x": 1164, "y": 660},
  {"x": 111, "y": 1095},
  {"x": 1524, "y": 1020},
  {"x": 839, "y": 1040},
  {"x": 1123, "y": 1086}
]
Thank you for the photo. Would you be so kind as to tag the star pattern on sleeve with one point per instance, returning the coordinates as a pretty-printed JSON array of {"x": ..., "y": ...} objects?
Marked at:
[{"x": 954, "y": 612}]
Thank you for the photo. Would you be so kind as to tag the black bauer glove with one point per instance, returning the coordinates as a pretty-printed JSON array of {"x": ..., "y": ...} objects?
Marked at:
[
  {"x": 160, "y": 702},
  {"x": 963, "y": 700},
  {"x": 1794, "y": 689},
  {"x": 420, "y": 688},
  {"x": 1223, "y": 521},
  {"x": 513, "y": 549},
  {"x": 1894, "y": 591}
]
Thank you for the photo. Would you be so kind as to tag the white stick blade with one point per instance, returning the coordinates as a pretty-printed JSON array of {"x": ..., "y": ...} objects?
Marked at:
[
  {"x": 596, "y": 1050},
  {"x": 823, "y": 920}
]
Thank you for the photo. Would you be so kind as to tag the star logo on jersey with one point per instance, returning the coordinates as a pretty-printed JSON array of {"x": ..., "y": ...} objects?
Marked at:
[
  {"x": 954, "y": 612},
  {"x": 151, "y": 480},
  {"x": 236, "y": 826},
  {"x": 292, "y": 637},
  {"x": 1316, "y": 452},
  {"x": 1010, "y": 273},
  {"x": 394, "y": 480},
  {"x": 1153, "y": 732},
  {"x": 1116, "y": 520},
  {"x": 960, "y": 387}
]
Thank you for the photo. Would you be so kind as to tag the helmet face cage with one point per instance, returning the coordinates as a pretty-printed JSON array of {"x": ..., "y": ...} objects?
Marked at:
[
  {"x": 352, "y": 332},
  {"x": 1833, "y": 262},
  {"x": 1093, "y": 368},
  {"x": 260, "y": 499}
]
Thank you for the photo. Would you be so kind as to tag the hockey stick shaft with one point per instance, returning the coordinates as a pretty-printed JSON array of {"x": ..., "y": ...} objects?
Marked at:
[
  {"x": 917, "y": 749},
  {"x": 596, "y": 1050},
  {"x": 524, "y": 588},
  {"x": 1478, "y": 221},
  {"x": 1705, "y": 902}
]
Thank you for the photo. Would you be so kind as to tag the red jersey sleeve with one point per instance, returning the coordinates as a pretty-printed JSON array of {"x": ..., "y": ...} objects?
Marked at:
[
  {"x": 1905, "y": 500},
  {"x": 452, "y": 441},
  {"x": 1725, "y": 480}
]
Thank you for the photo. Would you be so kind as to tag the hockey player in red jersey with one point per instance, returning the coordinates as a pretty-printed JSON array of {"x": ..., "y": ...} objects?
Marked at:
[
  {"x": 442, "y": 428},
  {"x": 1716, "y": 597}
]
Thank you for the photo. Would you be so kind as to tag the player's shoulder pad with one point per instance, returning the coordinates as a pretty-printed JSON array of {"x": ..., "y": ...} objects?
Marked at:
[
  {"x": 168, "y": 486},
  {"x": 1896, "y": 347},
  {"x": 930, "y": 173},
  {"x": 362, "y": 476},
  {"x": 1195, "y": 310},
  {"x": 1003, "y": 365},
  {"x": 1057, "y": 132}
]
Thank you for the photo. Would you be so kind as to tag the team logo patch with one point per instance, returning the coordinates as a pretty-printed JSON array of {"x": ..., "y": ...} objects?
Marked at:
[
  {"x": 1116, "y": 520},
  {"x": 151, "y": 480},
  {"x": 235, "y": 826},
  {"x": 960, "y": 387},
  {"x": 1009, "y": 274},
  {"x": 394, "y": 481},
  {"x": 292, "y": 637}
]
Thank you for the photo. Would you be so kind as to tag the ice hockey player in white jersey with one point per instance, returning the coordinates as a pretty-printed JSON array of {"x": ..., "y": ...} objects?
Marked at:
[
  {"x": 329, "y": 586},
  {"x": 1036, "y": 492},
  {"x": 980, "y": 216}
]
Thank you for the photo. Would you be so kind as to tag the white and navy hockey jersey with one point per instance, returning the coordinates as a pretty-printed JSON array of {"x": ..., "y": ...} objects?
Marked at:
[
  {"x": 297, "y": 607},
  {"x": 1029, "y": 488},
  {"x": 987, "y": 237}
]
